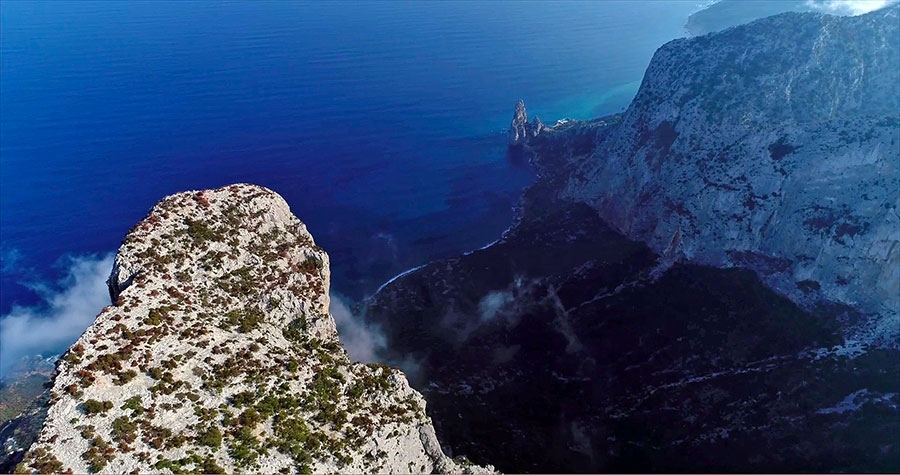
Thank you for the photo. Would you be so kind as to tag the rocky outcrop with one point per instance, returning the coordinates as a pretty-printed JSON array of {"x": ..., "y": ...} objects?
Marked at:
[
  {"x": 219, "y": 355},
  {"x": 771, "y": 146},
  {"x": 727, "y": 13},
  {"x": 520, "y": 130}
]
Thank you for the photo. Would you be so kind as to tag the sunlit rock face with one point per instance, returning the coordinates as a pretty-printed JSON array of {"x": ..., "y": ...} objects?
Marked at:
[
  {"x": 520, "y": 129},
  {"x": 219, "y": 354},
  {"x": 772, "y": 146}
]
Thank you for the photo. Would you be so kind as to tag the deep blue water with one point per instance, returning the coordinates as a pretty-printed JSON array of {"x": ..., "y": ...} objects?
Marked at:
[{"x": 379, "y": 122}]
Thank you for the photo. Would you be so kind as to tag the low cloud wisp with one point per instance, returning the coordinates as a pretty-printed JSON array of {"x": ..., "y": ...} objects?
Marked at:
[
  {"x": 362, "y": 341},
  {"x": 849, "y": 7},
  {"x": 67, "y": 310}
]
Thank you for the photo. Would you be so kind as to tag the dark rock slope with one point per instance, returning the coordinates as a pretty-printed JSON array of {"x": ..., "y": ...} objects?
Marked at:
[{"x": 566, "y": 346}]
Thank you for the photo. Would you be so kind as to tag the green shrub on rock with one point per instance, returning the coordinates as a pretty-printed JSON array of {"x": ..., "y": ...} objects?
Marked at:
[{"x": 93, "y": 406}]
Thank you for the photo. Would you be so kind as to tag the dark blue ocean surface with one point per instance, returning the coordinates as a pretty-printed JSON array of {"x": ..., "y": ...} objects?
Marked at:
[{"x": 379, "y": 122}]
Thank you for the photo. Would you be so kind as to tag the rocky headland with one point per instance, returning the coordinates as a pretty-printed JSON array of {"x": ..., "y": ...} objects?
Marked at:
[
  {"x": 219, "y": 355},
  {"x": 727, "y": 13},
  {"x": 520, "y": 129}
]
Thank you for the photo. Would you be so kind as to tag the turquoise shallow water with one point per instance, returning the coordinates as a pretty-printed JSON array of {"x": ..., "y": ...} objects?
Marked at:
[{"x": 380, "y": 122}]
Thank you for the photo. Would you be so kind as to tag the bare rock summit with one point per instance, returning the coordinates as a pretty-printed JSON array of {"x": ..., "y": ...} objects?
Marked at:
[{"x": 219, "y": 355}]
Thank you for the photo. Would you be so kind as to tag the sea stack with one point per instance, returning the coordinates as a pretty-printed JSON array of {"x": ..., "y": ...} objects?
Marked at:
[{"x": 520, "y": 130}]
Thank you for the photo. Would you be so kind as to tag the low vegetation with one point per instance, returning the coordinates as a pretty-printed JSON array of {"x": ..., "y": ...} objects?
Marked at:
[{"x": 204, "y": 348}]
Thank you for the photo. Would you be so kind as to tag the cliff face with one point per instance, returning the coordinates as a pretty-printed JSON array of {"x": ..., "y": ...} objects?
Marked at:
[
  {"x": 566, "y": 347},
  {"x": 219, "y": 354},
  {"x": 588, "y": 338},
  {"x": 771, "y": 146}
]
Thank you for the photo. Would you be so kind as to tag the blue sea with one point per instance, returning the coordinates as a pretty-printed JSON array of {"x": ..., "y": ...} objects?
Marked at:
[{"x": 381, "y": 123}]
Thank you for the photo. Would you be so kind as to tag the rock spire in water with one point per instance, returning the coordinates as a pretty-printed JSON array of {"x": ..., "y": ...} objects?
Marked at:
[{"x": 520, "y": 130}]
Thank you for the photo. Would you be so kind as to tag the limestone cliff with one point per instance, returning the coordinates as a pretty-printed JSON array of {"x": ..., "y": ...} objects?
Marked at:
[
  {"x": 219, "y": 355},
  {"x": 594, "y": 342},
  {"x": 772, "y": 146}
]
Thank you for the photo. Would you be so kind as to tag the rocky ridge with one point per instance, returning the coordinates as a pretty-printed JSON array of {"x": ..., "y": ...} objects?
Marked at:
[
  {"x": 771, "y": 146},
  {"x": 585, "y": 351},
  {"x": 219, "y": 355}
]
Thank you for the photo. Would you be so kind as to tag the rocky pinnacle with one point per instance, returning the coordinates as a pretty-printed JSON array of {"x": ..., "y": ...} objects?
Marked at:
[
  {"x": 520, "y": 130},
  {"x": 219, "y": 354}
]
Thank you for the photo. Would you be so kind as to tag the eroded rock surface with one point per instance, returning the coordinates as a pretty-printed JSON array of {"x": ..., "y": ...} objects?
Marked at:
[
  {"x": 772, "y": 146},
  {"x": 521, "y": 130},
  {"x": 588, "y": 338},
  {"x": 566, "y": 347},
  {"x": 219, "y": 355}
]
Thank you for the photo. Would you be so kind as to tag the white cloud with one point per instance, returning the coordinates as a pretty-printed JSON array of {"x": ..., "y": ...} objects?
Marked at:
[
  {"x": 10, "y": 260},
  {"x": 492, "y": 303},
  {"x": 67, "y": 311},
  {"x": 362, "y": 341},
  {"x": 849, "y": 7}
]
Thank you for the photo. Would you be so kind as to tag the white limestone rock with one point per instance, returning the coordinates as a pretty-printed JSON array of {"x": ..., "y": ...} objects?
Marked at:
[
  {"x": 775, "y": 146},
  {"x": 220, "y": 330}
]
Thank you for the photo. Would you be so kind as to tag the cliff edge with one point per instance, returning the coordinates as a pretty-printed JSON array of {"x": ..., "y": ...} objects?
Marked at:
[
  {"x": 219, "y": 355},
  {"x": 771, "y": 146}
]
